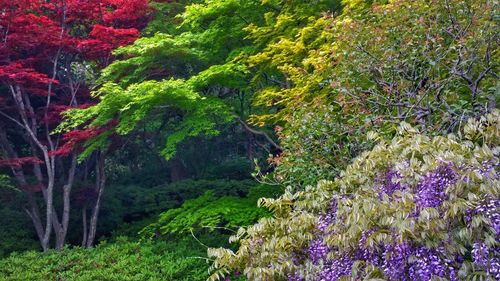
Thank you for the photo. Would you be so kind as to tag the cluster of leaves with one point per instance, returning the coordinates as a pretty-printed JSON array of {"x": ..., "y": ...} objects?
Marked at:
[
  {"x": 210, "y": 212},
  {"x": 166, "y": 71},
  {"x": 413, "y": 208},
  {"x": 378, "y": 63},
  {"x": 141, "y": 200},
  {"x": 316, "y": 145},
  {"x": 126, "y": 209},
  {"x": 5, "y": 182},
  {"x": 122, "y": 260},
  {"x": 202, "y": 72}
]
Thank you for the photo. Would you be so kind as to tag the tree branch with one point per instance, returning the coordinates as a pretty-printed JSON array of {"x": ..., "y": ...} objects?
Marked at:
[{"x": 259, "y": 133}]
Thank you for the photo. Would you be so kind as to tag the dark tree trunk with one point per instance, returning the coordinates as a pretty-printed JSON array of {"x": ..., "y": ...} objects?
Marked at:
[{"x": 100, "y": 183}]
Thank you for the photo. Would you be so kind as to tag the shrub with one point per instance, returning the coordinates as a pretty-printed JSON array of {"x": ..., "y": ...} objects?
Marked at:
[
  {"x": 137, "y": 206},
  {"x": 120, "y": 261},
  {"x": 414, "y": 208},
  {"x": 209, "y": 212}
]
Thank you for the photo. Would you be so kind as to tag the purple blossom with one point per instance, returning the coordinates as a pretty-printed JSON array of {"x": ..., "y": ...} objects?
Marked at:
[
  {"x": 480, "y": 254},
  {"x": 494, "y": 268},
  {"x": 334, "y": 269},
  {"x": 491, "y": 210},
  {"x": 431, "y": 190},
  {"x": 366, "y": 253},
  {"x": 389, "y": 183},
  {"x": 426, "y": 265},
  {"x": 328, "y": 218},
  {"x": 395, "y": 260},
  {"x": 488, "y": 170},
  {"x": 317, "y": 251},
  {"x": 486, "y": 259}
]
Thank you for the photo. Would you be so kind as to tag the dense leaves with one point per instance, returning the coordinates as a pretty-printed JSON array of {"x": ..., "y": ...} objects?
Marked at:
[
  {"x": 412, "y": 208},
  {"x": 209, "y": 213},
  {"x": 121, "y": 261}
]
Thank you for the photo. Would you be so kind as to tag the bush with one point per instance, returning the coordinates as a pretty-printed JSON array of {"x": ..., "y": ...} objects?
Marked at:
[
  {"x": 137, "y": 206},
  {"x": 121, "y": 261},
  {"x": 209, "y": 212},
  {"x": 414, "y": 208}
]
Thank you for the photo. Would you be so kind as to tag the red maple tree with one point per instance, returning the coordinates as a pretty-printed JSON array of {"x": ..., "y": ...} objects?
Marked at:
[{"x": 45, "y": 47}]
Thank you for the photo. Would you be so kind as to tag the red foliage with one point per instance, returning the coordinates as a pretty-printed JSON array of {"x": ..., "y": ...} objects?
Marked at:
[
  {"x": 104, "y": 39},
  {"x": 127, "y": 13},
  {"x": 16, "y": 74},
  {"x": 20, "y": 162},
  {"x": 39, "y": 42},
  {"x": 74, "y": 139}
]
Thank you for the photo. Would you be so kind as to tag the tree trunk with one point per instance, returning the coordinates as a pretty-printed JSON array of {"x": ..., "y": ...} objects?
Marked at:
[
  {"x": 33, "y": 211},
  {"x": 100, "y": 182},
  {"x": 84, "y": 220},
  {"x": 61, "y": 239}
]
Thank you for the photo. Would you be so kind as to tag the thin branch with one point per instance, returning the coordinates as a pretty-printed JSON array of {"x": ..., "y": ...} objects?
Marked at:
[{"x": 259, "y": 133}]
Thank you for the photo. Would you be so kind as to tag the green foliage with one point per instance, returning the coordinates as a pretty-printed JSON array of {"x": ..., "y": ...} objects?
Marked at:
[
  {"x": 369, "y": 68},
  {"x": 316, "y": 146},
  {"x": 269, "y": 248},
  {"x": 17, "y": 233},
  {"x": 5, "y": 182},
  {"x": 209, "y": 212},
  {"x": 120, "y": 261},
  {"x": 126, "y": 209},
  {"x": 378, "y": 61},
  {"x": 203, "y": 65},
  {"x": 191, "y": 113}
]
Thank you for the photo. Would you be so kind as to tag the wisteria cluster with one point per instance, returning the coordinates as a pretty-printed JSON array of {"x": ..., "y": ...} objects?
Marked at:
[
  {"x": 489, "y": 170},
  {"x": 490, "y": 209},
  {"x": 431, "y": 190},
  {"x": 327, "y": 218},
  {"x": 317, "y": 250},
  {"x": 395, "y": 260},
  {"x": 336, "y": 268},
  {"x": 388, "y": 182},
  {"x": 428, "y": 263},
  {"x": 366, "y": 253},
  {"x": 486, "y": 259},
  {"x": 403, "y": 260}
]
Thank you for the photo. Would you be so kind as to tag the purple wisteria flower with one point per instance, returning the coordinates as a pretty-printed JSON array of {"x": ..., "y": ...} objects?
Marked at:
[
  {"x": 317, "y": 250},
  {"x": 486, "y": 259},
  {"x": 366, "y": 253},
  {"x": 328, "y": 217},
  {"x": 395, "y": 260},
  {"x": 431, "y": 190},
  {"x": 491, "y": 210},
  {"x": 480, "y": 254},
  {"x": 389, "y": 183},
  {"x": 334, "y": 269},
  {"x": 427, "y": 264},
  {"x": 489, "y": 170}
]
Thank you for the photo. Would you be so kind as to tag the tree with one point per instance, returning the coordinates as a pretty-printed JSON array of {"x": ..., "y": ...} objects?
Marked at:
[
  {"x": 371, "y": 67},
  {"x": 49, "y": 53},
  {"x": 201, "y": 72}
]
